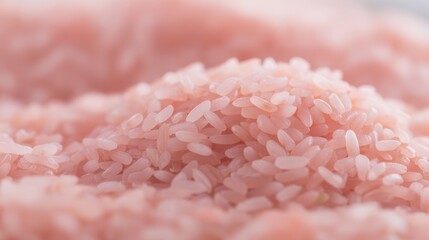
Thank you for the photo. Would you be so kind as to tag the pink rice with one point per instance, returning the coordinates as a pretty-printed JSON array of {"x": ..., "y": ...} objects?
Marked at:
[
  {"x": 254, "y": 149},
  {"x": 276, "y": 164}
]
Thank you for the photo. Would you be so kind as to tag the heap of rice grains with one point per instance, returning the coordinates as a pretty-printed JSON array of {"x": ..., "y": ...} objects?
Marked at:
[{"x": 250, "y": 150}]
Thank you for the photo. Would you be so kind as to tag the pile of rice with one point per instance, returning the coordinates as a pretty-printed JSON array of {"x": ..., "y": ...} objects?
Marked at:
[{"x": 254, "y": 149}]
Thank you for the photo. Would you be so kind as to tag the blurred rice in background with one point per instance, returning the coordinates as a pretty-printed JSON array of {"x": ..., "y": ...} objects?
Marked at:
[{"x": 107, "y": 46}]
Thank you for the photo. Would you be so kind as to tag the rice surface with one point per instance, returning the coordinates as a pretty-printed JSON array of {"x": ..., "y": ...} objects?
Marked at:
[
  {"x": 108, "y": 46},
  {"x": 101, "y": 137},
  {"x": 219, "y": 155}
]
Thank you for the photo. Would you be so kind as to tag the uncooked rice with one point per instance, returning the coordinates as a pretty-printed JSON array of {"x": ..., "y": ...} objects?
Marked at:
[
  {"x": 252, "y": 164},
  {"x": 244, "y": 149}
]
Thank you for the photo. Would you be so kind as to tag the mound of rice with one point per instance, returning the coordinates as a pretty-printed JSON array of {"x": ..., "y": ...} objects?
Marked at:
[
  {"x": 218, "y": 153},
  {"x": 243, "y": 149}
]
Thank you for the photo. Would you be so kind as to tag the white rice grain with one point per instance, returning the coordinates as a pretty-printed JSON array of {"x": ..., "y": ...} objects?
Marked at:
[
  {"x": 224, "y": 139},
  {"x": 304, "y": 115},
  {"x": 274, "y": 149},
  {"x": 199, "y": 149},
  {"x": 112, "y": 171},
  {"x": 265, "y": 125},
  {"x": 140, "y": 176},
  {"x": 122, "y": 157},
  {"x": 133, "y": 121},
  {"x": 392, "y": 179},
  {"x": 336, "y": 103},
  {"x": 352, "y": 143},
  {"x": 110, "y": 186},
  {"x": 187, "y": 136},
  {"x": 198, "y": 111},
  {"x": 164, "y": 114},
  {"x": 106, "y": 144},
  {"x": 362, "y": 166},
  {"x": 291, "y": 162},
  {"x": 49, "y": 149},
  {"x": 227, "y": 86},
  {"x": 254, "y": 204},
  {"x": 331, "y": 178},
  {"x": 13, "y": 148},
  {"x": 264, "y": 167},
  {"x": 263, "y": 104},
  {"x": 323, "y": 106},
  {"x": 288, "y": 193},
  {"x": 285, "y": 140},
  {"x": 215, "y": 121},
  {"x": 236, "y": 185},
  {"x": 149, "y": 122},
  {"x": 387, "y": 145}
]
